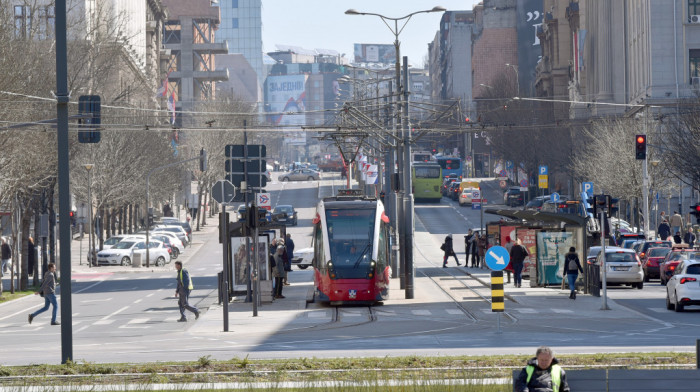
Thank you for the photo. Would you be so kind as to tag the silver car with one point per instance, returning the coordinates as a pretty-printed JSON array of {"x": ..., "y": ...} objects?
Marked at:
[
  {"x": 622, "y": 267},
  {"x": 300, "y": 175}
]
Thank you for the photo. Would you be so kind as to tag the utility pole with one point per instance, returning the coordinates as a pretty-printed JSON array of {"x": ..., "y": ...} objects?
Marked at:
[{"x": 408, "y": 195}]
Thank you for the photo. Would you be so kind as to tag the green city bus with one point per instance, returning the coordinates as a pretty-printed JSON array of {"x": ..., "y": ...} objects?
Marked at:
[{"x": 427, "y": 180}]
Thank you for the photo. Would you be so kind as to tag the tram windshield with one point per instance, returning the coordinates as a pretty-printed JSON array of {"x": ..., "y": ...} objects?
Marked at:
[{"x": 350, "y": 233}]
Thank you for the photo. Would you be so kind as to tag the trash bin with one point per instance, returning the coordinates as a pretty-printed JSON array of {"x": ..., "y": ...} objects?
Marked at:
[{"x": 136, "y": 262}]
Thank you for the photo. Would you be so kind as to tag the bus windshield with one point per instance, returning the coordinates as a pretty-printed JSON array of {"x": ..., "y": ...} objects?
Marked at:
[{"x": 350, "y": 233}]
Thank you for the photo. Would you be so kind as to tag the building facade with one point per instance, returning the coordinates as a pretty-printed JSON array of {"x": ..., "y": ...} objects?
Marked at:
[
  {"x": 241, "y": 29},
  {"x": 189, "y": 35}
]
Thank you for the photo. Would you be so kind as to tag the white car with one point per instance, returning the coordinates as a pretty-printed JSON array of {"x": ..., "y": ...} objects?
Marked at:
[
  {"x": 466, "y": 197},
  {"x": 113, "y": 240},
  {"x": 683, "y": 288},
  {"x": 177, "y": 230},
  {"x": 174, "y": 241},
  {"x": 622, "y": 267},
  {"x": 123, "y": 252},
  {"x": 302, "y": 257}
]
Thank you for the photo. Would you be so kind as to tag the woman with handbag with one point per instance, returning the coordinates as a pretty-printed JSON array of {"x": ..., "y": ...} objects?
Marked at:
[{"x": 48, "y": 291}]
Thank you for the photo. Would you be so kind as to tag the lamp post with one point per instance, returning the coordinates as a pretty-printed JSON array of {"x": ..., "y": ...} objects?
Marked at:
[
  {"x": 88, "y": 167},
  {"x": 405, "y": 232}
]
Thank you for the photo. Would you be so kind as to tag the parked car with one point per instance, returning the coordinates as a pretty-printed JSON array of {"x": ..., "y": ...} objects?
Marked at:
[
  {"x": 113, "y": 240},
  {"x": 174, "y": 222},
  {"x": 300, "y": 175},
  {"x": 465, "y": 199},
  {"x": 683, "y": 288},
  {"x": 622, "y": 267},
  {"x": 289, "y": 214},
  {"x": 123, "y": 252},
  {"x": 175, "y": 242},
  {"x": 166, "y": 240},
  {"x": 651, "y": 261},
  {"x": 513, "y": 197},
  {"x": 177, "y": 230},
  {"x": 593, "y": 252},
  {"x": 673, "y": 258}
]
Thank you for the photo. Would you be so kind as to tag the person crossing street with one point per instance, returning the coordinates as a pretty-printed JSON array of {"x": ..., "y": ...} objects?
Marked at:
[{"x": 183, "y": 290}]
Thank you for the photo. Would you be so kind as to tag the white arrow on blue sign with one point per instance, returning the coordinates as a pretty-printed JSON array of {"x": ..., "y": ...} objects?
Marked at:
[
  {"x": 554, "y": 197},
  {"x": 497, "y": 258}
]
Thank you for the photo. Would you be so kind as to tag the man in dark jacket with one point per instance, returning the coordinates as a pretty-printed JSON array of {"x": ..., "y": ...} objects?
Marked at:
[
  {"x": 689, "y": 237},
  {"x": 664, "y": 230},
  {"x": 448, "y": 248},
  {"x": 468, "y": 246},
  {"x": 542, "y": 374}
]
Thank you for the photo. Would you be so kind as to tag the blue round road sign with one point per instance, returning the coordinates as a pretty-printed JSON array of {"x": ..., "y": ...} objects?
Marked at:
[{"x": 497, "y": 258}]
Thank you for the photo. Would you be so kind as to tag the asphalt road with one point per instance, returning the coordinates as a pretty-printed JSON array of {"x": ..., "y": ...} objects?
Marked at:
[{"x": 130, "y": 315}]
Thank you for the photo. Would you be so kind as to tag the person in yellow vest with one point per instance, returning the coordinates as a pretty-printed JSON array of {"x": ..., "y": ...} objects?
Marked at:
[
  {"x": 183, "y": 290},
  {"x": 542, "y": 374}
]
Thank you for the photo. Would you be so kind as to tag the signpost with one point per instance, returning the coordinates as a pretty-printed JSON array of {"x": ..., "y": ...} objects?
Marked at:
[
  {"x": 543, "y": 177},
  {"x": 224, "y": 192},
  {"x": 497, "y": 259}
]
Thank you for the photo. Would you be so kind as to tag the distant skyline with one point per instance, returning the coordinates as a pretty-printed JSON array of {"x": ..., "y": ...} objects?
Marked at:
[{"x": 322, "y": 24}]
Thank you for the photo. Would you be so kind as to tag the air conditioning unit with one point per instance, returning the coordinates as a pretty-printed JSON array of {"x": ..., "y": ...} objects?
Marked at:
[{"x": 694, "y": 18}]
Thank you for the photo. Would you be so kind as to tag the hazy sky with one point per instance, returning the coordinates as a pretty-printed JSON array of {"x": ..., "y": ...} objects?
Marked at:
[{"x": 322, "y": 24}]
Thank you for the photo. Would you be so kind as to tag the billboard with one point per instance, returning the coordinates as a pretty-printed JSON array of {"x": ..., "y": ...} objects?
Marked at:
[
  {"x": 285, "y": 96},
  {"x": 375, "y": 53},
  {"x": 529, "y": 19}
]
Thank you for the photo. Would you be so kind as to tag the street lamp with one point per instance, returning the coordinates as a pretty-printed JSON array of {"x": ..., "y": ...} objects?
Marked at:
[
  {"x": 406, "y": 214},
  {"x": 91, "y": 251},
  {"x": 517, "y": 78}
]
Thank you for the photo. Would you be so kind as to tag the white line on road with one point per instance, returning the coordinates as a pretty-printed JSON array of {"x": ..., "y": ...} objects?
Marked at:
[
  {"x": 113, "y": 314},
  {"x": 87, "y": 301},
  {"x": 138, "y": 300},
  {"x": 421, "y": 312}
]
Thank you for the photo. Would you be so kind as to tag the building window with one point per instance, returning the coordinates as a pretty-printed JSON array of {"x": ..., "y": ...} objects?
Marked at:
[
  {"x": 47, "y": 19},
  {"x": 693, "y": 7},
  {"x": 694, "y": 59},
  {"x": 23, "y": 22},
  {"x": 234, "y": 23},
  {"x": 234, "y": 3}
]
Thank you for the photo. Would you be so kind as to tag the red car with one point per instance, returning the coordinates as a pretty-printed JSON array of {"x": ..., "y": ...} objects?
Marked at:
[
  {"x": 651, "y": 261},
  {"x": 675, "y": 256}
]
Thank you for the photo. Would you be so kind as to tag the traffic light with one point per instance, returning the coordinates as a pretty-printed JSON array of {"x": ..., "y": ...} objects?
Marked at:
[
  {"x": 695, "y": 210},
  {"x": 150, "y": 219},
  {"x": 252, "y": 217},
  {"x": 89, "y": 107},
  {"x": 641, "y": 146},
  {"x": 613, "y": 206}
]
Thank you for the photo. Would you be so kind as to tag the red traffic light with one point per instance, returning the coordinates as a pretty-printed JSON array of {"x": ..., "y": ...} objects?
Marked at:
[
  {"x": 697, "y": 208},
  {"x": 641, "y": 138},
  {"x": 71, "y": 214}
]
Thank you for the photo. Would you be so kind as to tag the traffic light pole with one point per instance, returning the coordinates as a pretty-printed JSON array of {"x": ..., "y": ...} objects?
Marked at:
[
  {"x": 603, "y": 265},
  {"x": 645, "y": 197}
]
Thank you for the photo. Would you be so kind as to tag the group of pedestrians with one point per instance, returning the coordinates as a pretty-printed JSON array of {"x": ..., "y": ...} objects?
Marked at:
[
  {"x": 474, "y": 246},
  {"x": 281, "y": 255},
  {"x": 672, "y": 229}
]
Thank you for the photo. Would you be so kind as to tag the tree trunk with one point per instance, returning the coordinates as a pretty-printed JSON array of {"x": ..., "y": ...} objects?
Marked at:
[
  {"x": 23, "y": 253},
  {"x": 205, "y": 203}
]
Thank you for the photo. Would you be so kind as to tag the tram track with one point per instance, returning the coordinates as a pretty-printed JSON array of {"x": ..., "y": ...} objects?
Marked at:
[
  {"x": 337, "y": 320},
  {"x": 467, "y": 282}
]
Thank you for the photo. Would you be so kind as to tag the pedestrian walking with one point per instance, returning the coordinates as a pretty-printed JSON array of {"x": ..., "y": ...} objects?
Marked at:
[
  {"x": 48, "y": 291},
  {"x": 482, "y": 245},
  {"x": 278, "y": 272},
  {"x": 183, "y": 290},
  {"x": 689, "y": 237},
  {"x": 468, "y": 247},
  {"x": 448, "y": 250},
  {"x": 475, "y": 250},
  {"x": 6, "y": 255},
  {"x": 676, "y": 222},
  {"x": 572, "y": 266},
  {"x": 518, "y": 253},
  {"x": 542, "y": 374},
  {"x": 289, "y": 253},
  {"x": 664, "y": 230}
]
